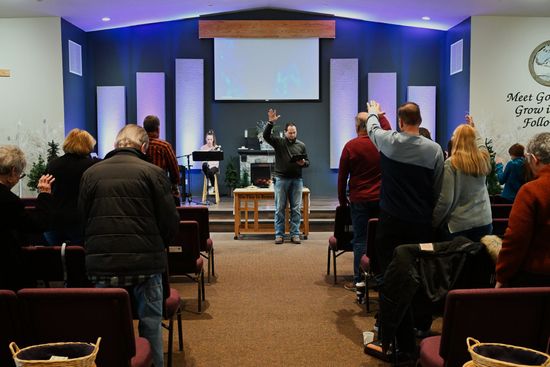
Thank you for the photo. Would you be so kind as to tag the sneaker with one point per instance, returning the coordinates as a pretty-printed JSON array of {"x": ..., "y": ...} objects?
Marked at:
[
  {"x": 211, "y": 191},
  {"x": 279, "y": 240},
  {"x": 296, "y": 240},
  {"x": 350, "y": 286}
]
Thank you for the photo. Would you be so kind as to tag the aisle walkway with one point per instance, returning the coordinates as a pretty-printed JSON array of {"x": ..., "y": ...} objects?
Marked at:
[{"x": 274, "y": 306}]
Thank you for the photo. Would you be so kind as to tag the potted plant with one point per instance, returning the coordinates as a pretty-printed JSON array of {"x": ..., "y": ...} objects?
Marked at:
[{"x": 231, "y": 176}]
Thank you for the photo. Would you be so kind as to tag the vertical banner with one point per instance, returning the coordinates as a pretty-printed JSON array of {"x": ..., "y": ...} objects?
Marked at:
[
  {"x": 425, "y": 98},
  {"x": 189, "y": 106},
  {"x": 150, "y": 99},
  {"x": 383, "y": 89},
  {"x": 111, "y": 116},
  {"x": 344, "y": 95}
]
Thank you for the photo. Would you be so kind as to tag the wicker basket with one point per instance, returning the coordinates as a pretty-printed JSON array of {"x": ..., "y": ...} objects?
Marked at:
[
  {"x": 80, "y": 354},
  {"x": 477, "y": 351}
]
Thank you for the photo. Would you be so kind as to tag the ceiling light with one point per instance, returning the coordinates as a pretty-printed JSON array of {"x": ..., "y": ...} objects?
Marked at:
[
  {"x": 426, "y": 18},
  {"x": 105, "y": 19}
]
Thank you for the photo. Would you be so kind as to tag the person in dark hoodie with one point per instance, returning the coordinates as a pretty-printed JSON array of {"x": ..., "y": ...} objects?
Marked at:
[{"x": 130, "y": 217}]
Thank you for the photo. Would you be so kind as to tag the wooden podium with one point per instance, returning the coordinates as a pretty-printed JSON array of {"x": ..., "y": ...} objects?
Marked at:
[{"x": 245, "y": 208}]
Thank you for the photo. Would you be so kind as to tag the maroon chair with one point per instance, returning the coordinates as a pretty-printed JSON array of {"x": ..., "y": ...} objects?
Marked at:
[
  {"x": 62, "y": 264},
  {"x": 501, "y": 210},
  {"x": 200, "y": 214},
  {"x": 171, "y": 310},
  {"x": 184, "y": 257},
  {"x": 368, "y": 266},
  {"x": 341, "y": 240},
  {"x": 84, "y": 314},
  {"x": 517, "y": 316},
  {"x": 499, "y": 226},
  {"x": 29, "y": 202},
  {"x": 10, "y": 329}
]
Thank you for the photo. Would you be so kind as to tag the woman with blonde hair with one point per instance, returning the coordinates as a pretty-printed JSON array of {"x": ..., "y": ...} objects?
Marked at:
[
  {"x": 463, "y": 207},
  {"x": 68, "y": 170}
]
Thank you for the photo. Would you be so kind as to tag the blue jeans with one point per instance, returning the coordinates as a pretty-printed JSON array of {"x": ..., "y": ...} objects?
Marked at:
[
  {"x": 291, "y": 189},
  {"x": 360, "y": 214},
  {"x": 473, "y": 234},
  {"x": 147, "y": 303}
]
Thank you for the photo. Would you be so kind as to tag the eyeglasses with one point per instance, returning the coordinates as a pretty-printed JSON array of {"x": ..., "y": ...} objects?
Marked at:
[{"x": 23, "y": 175}]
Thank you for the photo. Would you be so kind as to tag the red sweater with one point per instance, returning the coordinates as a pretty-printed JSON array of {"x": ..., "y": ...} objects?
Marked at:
[
  {"x": 360, "y": 161},
  {"x": 526, "y": 243}
]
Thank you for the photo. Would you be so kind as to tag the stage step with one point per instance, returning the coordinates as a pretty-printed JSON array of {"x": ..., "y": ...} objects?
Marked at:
[
  {"x": 228, "y": 225},
  {"x": 222, "y": 220}
]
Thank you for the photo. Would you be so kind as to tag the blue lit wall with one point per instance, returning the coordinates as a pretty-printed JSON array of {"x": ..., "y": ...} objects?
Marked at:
[
  {"x": 74, "y": 86},
  {"x": 456, "y": 88},
  {"x": 114, "y": 56}
]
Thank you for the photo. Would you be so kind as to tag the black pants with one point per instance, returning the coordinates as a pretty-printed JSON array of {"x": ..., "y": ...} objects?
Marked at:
[
  {"x": 209, "y": 172},
  {"x": 392, "y": 232}
]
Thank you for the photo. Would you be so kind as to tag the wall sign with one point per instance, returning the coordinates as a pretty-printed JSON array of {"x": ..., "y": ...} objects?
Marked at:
[{"x": 539, "y": 63}]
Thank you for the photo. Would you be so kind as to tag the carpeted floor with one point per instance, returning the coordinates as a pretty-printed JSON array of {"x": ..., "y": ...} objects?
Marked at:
[{"x": 274, "y": 306}]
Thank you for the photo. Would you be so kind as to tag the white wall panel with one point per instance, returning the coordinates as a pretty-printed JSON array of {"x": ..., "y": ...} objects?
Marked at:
[
  {"x": 425, "y": 97},
  {"x": 111, "y": 116},
  {"x": 383, "y": 89},
  {"x": 189, "y": 106},
  {"x": 150, "y": 99},
  {"x": 344, "y": 94}
]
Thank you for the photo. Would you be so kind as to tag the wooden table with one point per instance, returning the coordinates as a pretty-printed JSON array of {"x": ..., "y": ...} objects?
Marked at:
[{"x": 247, "y": 201}]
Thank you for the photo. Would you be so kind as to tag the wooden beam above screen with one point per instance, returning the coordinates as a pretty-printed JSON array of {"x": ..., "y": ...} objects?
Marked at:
[
  {"x": 4, "y": 73},
  {"x": 267, "y": 29}
]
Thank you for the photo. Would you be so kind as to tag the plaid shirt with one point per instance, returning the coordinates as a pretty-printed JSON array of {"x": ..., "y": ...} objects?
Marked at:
[
  {"x": 119, "y": 281},
  {"x": 161, "y": 154}
]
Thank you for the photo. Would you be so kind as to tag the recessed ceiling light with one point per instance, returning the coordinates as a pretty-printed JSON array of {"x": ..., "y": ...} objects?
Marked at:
[
  {"x": 426, "y": 18},
  {"x": 105, "y": 19}
]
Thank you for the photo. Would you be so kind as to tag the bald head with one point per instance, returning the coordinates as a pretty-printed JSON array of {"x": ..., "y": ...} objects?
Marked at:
[{"x": 361, "y": 122}]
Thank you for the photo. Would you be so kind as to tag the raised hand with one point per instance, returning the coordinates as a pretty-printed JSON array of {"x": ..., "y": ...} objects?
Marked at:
[
  {"x": 374, "y": 107},
  {"x": 45, "y": 184},
  {"x": 272, "y": 115},
  {"x": 470, "y": 120}
]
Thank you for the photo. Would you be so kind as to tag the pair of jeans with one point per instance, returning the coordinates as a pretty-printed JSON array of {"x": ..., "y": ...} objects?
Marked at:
[
  {"x": 288, "y": 189},
  {"x": 361, "y": 212},
  {"x": 474, "y": 234},
  {"x": 147, "y": 303}
]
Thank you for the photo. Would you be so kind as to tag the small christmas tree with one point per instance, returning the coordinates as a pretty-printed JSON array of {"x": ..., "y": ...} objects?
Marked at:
[
  {"x": 39, "y": 168},
  {"x": 53, "y": 149},
  {"x": 493, "y": 186},
  {"x": 231, "y": 175}
]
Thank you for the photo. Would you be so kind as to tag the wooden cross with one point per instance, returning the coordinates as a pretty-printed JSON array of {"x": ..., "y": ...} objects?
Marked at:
[{"x": 4, "y": 72}]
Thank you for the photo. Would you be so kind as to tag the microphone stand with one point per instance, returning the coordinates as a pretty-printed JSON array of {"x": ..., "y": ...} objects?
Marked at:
[{"x": 188, "y": 173}]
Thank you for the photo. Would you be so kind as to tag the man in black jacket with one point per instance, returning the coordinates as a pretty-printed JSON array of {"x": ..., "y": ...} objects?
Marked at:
[
  {"x": 290, "y": 158},
  {"x": 130, "y": 217}
]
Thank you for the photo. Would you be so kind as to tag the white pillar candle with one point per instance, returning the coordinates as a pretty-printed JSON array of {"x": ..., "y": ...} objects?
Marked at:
[{"x": 246, "y": 133}]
